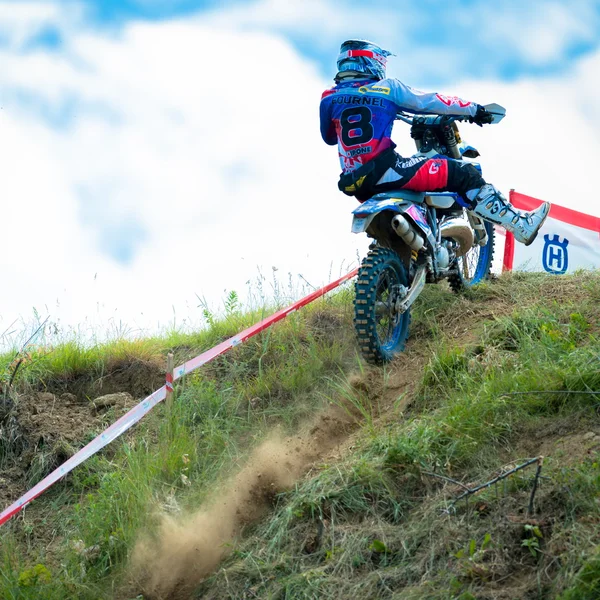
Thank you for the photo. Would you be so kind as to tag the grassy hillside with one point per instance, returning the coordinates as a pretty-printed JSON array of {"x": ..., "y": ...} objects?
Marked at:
[{"x": 290, "y": 470}]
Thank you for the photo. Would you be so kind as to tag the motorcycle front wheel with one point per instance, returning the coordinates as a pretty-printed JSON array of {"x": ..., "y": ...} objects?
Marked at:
[
  {"x": 381, "y": 331},
  {"x": 475, "y": 266}
]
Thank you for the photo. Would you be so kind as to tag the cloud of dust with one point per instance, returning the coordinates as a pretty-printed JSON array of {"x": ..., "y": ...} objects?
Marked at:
[{"x": 190, "y": 547}]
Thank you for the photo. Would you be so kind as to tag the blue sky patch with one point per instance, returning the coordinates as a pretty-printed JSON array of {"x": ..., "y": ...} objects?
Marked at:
[
  {"x": 121, "y": 240},
  {"x": 119, "y": 233},
  {"x": 436, "y": 40},
  {"x": 121, "y": 11},
  {"x": 47, "y": 38}
]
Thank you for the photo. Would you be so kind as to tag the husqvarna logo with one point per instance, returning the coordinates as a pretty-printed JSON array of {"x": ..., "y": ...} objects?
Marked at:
[{"x": 555, "y": 258}]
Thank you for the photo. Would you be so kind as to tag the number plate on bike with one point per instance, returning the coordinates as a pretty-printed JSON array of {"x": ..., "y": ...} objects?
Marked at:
[{"x": 359, "y": 224}]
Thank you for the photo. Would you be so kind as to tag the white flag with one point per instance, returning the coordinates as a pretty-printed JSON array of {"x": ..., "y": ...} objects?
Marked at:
[{"x": 568, "y": 240}]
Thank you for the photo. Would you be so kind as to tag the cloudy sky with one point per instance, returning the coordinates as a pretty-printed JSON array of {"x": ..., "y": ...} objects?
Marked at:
[{"x": 154, "y": 152}]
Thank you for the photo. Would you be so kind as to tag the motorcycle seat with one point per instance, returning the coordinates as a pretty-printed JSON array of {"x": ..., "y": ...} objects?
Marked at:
[
  {"x": 441, "y": 200},
  {"x": 416, "y": 197}
]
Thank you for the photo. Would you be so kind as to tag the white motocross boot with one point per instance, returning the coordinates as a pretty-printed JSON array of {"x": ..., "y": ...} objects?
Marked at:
[{"x": 494, "y": 207}]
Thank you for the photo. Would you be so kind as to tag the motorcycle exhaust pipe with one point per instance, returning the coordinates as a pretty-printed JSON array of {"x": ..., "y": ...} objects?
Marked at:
[{"x": 407, "y": 233}]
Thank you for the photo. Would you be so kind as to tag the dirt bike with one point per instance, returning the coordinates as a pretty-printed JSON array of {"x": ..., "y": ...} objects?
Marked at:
[{"x": 419, "y": 238}]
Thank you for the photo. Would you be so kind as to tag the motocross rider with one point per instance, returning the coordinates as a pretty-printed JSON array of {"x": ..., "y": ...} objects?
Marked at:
[{"x": 358, "y": 114}]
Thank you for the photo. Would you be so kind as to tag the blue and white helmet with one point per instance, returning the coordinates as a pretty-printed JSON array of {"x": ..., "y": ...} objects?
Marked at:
[{"x": 361, "y": 58}]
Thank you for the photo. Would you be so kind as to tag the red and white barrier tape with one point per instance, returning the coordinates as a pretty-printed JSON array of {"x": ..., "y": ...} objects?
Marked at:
[{"x": 146, "y": 405}]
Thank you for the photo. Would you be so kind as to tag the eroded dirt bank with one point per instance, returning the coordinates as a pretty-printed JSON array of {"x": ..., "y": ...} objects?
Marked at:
[{"x": 189, "y": 547}]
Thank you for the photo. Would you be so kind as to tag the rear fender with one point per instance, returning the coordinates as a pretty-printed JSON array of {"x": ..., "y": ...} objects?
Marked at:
[{"x": 364, "y": 214}]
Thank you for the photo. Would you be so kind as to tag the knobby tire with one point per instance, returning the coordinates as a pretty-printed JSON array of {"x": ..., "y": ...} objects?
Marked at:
[
  {"x": 480, "y": 262},
  {"x": 380, "y": 336}
]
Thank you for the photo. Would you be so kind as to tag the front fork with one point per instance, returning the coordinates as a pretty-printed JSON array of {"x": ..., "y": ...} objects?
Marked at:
[{"x": 407, "y": 296}]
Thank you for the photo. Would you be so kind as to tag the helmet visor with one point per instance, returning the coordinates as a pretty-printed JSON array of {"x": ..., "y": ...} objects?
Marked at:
[
  {"x": 380, "y": 58},
  {"x": 362, "y": 56}
]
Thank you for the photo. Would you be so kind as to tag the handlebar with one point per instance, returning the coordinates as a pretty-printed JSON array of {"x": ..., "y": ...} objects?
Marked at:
[
  {"x": 432, "y": 119},
  {"x": 498, "y": 112}
]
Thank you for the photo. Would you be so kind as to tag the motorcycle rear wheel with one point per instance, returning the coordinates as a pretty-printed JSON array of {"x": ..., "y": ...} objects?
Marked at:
[
  {"x": 380, "y": 330},
  {"x": 475, "y": 266}
]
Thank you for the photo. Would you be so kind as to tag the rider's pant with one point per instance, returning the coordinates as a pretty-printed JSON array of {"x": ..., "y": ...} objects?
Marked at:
[
  {"x": 389, "y": 171},
  {"x": 424, "y": 174}
]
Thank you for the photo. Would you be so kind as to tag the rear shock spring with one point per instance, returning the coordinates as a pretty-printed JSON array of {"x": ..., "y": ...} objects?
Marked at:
[{"x": 451, "y": 143}]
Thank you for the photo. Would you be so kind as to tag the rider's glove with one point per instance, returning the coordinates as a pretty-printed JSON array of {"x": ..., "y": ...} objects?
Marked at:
[{"x": 482, "y": 116}]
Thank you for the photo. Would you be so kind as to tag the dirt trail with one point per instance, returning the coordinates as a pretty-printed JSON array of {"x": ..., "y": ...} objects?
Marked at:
[{"x": 191, "y": 546}]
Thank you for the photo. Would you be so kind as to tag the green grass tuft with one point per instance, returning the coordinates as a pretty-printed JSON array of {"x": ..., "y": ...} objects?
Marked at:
[{"x": 505, "y": 372}]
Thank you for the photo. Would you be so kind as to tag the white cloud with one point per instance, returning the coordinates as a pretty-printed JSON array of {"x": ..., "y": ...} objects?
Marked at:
[
  {"x": 540, "y": 32},
  {"x": 202, "y": 140},
  {"x": 547, "y": 145},
  {"x": 320, "y": 19},
  {"x": 222, "y": 174},
  {"x": 435, "y": 39},
  {"x": 22, "y": 21}
]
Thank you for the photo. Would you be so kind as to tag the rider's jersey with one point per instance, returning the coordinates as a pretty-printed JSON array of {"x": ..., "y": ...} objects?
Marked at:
[{"x": 359, "y": 115}]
